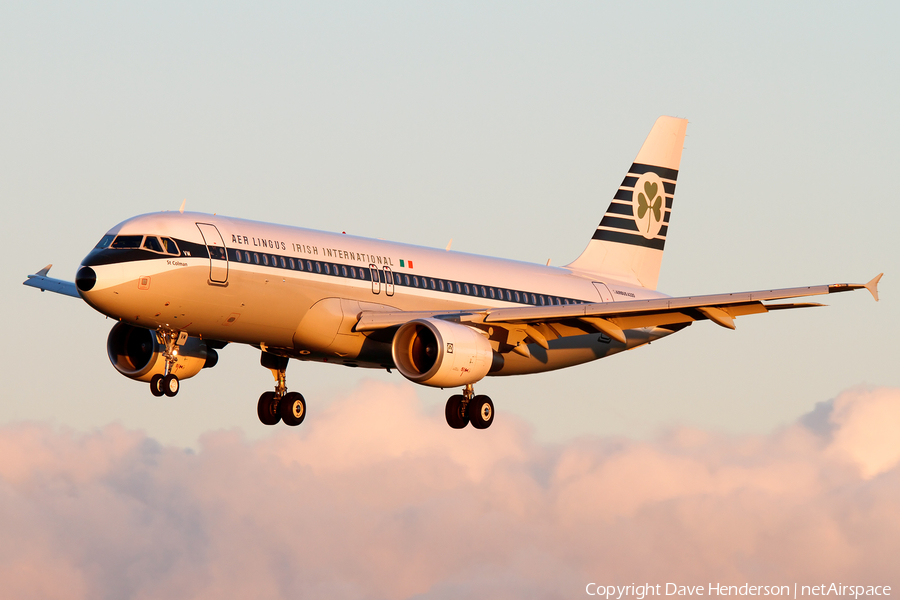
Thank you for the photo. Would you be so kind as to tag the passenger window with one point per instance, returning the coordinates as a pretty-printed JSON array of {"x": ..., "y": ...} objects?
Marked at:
[
  {"x": 543, "y": 302},
  {"x": 318, "y": 267},
  {"x": 344, "y": 270},
  {"x": 440, "y": 281},
  {"x": 466, "y": 287},
  {"x": 433, "y": 285},
  {"x": 256, "y": 258},
  {"x": 483, "y": 292},
  {"x": 291, "y": 261},
  {"x": 517, "y": 297},
  {"x": 237, "y": 256},
  {"x": 533, "y": 299},
  {"x": 406, "y": 279},
  {"x": 309, "y": 266},
  {"x": 327, "y": 269},
  {"x": 266, "y": 259},
  {"x": 104, "y": 242},
  {"x": 283, "y": 264},
  {"x": 492, "y": 292},
  {"x": 127, "y": 241},
  {"x": 353, "y": 272}
]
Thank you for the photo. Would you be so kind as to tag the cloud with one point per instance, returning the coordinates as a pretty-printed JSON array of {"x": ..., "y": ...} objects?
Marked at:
[{"x": 375, "y": 497}]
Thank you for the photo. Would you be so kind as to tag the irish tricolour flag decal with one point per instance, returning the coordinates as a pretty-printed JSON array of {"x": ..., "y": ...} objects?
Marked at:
[{"x": 406, "y": 263}]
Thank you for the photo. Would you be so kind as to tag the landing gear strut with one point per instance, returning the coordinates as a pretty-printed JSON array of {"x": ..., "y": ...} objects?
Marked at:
[
  {"x": 167, "y": 383},
  {"x": 280, "y": 405},
  {"x": 466, "y": 408}
]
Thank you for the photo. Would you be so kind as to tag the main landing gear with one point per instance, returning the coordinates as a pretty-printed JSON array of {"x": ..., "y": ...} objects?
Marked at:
[
  {"x": 280, "y": 405},
  {"x": 466, "y": 408},
  {"x": 167, "y": 384}
]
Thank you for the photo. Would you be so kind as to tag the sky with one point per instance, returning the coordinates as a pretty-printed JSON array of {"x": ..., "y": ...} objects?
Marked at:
[{"x": 505, "y": 127}]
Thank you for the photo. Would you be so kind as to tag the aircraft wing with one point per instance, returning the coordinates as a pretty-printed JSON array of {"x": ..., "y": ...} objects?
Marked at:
[
  {"x": 40, "y": 281},
  {"x": 612, "y": 318}
]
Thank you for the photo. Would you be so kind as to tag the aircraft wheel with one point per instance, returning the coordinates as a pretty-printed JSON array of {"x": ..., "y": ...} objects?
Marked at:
[
  {"x": 156, "y": 385},
  {"x": 456, "y": 416},
  {"x": 170, "y": 385},
  {"x": 292, "y": 409},
  {"x": 481, "y": 412},
  {"x": 267, "y": 409}
]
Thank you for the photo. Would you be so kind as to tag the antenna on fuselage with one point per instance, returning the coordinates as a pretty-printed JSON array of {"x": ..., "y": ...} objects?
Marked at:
[
  {"x": 183, "y": 202},
  {"x": 450, "y": 243}
]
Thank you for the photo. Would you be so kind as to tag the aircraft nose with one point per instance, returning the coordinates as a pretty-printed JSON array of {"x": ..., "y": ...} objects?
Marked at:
[{"x": 85, "y": 279}]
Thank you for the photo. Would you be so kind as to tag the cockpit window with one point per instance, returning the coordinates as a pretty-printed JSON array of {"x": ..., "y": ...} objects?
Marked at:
[
  {"x": 104, "y": 242},
  {"x": 127, "y": 241},
  {"x": 170, "y": 246},
  {"x": 151, "y": 242}
]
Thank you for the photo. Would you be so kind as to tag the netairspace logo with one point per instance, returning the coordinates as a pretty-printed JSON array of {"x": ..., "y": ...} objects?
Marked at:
[{"x": 640, "y": 592}]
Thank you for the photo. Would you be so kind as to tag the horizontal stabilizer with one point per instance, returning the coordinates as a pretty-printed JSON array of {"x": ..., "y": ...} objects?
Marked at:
[{"x": 48, "y": 284}]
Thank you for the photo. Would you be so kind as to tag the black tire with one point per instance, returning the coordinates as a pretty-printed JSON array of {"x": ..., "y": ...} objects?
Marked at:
[
  {"x": 156, "y": 385},
  {"x": 267, "y": 409},
  {"x": 456, "y": 416},
  {"x": 170, "y": 385},
  {"x": 481, "y": 412},
  {"x": 292, "y": 409}
]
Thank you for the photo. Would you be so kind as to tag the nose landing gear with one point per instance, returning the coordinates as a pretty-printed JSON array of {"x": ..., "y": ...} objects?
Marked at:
[
  {"x": 280, "y": 405},
  {"x": 466, "y": 408}
]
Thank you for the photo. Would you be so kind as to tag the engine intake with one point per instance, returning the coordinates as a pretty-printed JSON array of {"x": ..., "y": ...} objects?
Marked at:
[
  {"x": 136, "y": 353},
  {"x": 439, "y": 353}
]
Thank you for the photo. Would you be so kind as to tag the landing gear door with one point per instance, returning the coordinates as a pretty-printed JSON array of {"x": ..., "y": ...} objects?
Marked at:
[
  {"x": 605, "y": 294},
  {"x": 218, "y": 256}
]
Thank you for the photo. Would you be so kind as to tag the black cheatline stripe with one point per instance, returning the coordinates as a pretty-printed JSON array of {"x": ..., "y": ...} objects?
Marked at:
[
  {"x": 663, "y": 231},
  {"x": 619, "y": 223},
  {"x": 629, "y": 181},
  {"x": 111, "y": 256},
  {"x": 669, "y": 188},
  {"x": 435, "y": 284},
  {"x": 329, "y": 268},
  {"x": 669, "y": 203},
  {"x": 620, "y": 209},
  {"x": 639, "y": 169},
  {"x": 633, "y": 239}
]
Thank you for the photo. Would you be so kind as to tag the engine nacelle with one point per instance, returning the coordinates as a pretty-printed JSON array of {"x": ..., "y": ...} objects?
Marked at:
[
  {"x": 440, "y": 353},
  {"x": 136, "y": 353}
]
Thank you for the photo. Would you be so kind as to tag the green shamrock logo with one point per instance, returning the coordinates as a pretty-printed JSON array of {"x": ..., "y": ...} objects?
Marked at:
[{"x": 655, "y": 204}]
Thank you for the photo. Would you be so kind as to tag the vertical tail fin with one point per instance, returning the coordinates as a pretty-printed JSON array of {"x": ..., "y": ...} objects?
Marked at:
[{"x": 628, "y": 244}]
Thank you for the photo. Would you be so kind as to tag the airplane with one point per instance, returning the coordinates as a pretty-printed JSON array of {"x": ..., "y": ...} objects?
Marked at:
[{"x": 183, "y": 285}]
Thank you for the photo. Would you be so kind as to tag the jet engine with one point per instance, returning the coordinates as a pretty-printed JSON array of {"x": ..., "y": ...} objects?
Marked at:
[
  {"x": 439, "y": 353},
  {"x": 136, "y": 353}
]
